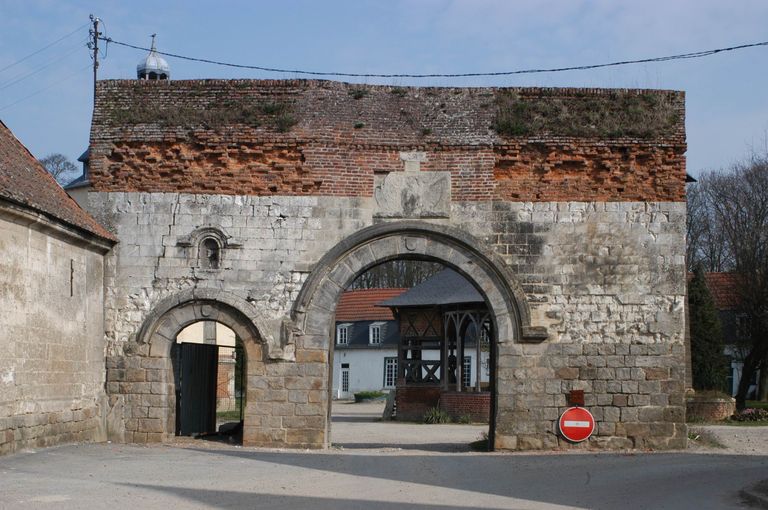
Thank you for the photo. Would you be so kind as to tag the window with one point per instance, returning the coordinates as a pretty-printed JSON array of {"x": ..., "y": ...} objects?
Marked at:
[
  {"x": 374, "y": 333},
  {"x": 342, "y": 334},
  {"x": 742, "y": 326},
  {"x": 390, "y": 372},
  {"x": 466, "y": 374},
  {"x": 209, "y": 253}
]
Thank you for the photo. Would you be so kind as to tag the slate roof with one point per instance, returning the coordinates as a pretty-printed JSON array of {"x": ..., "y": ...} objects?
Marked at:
[
  {"x": 358, "y": 305},
  {"x": 24, "y": 181},
  {"x": 358, "y": 335},
  {"x": 445, "y": 288}
]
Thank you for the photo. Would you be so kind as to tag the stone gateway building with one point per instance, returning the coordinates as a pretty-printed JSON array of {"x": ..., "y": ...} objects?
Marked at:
[{"x": 256, "y": 203}]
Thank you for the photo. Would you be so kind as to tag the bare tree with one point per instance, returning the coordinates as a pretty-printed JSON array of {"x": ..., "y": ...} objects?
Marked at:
[
  {"x": 399, "y": 273},
  {"x": 60, "y": 167},
  {"x": 739, "y": 201},
  {"x": 707, "y": 244}
]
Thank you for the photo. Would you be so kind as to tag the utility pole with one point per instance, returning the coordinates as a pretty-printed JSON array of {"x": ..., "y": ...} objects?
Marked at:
[{"x": 94, "y": 45}]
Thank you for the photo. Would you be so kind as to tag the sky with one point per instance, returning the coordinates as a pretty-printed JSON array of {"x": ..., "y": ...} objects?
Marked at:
[{"x": 46, "y": 100}]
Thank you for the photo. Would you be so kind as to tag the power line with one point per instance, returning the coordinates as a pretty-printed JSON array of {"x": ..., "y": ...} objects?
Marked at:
[
  {"x": 682, "y": 56},
  {"x": 68, "y": 77},
  {"x": 21, "y": 77},
  {"x": 44, "y": 47}
]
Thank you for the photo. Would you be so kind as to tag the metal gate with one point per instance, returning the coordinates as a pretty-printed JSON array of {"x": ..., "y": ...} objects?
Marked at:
[{"x": 196, "y": 389}]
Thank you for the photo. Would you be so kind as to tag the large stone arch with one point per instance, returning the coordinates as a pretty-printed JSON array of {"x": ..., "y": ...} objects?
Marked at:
[
  {"x": 145, "y": 374},
  {"x": 314, "y": 309}
]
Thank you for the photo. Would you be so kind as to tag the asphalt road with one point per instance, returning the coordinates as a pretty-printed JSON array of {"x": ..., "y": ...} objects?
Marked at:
[{"x": 217, "y": 476}]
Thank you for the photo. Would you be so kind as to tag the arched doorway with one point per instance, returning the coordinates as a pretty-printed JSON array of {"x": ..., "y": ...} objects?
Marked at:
[
  {"x": 153, "y": 405},
  {"x": 315, "y": 306},
  {"x": 410, "y": 364}
]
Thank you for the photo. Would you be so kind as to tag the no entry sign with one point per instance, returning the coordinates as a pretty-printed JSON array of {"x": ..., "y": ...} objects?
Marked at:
[{"x": 576, "y": 424}]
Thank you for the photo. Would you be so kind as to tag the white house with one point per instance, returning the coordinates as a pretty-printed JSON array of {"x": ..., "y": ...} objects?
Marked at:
[{"x": 365, "y": 353}]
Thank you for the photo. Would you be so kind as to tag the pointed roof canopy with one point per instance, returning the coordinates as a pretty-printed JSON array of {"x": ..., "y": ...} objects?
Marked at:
[{"x": 445, "y": 288}]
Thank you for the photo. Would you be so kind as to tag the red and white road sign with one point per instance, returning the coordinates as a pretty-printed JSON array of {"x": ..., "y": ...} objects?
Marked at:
[{"x": 576, "y": 424}]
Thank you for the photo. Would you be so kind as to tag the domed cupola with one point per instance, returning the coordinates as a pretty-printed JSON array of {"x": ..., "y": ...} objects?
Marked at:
[{"x": 153, "y": 67}]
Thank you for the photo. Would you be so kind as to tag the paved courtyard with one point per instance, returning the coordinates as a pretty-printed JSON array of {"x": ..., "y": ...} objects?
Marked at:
[
  {"x": 359, "y": 426},
  {"x": 381, "y": 465}
]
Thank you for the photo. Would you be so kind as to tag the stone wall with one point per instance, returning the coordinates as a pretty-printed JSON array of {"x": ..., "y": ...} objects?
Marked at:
[
  {"x": 605, "y": 279},
  {"x": 51, "y": 325}
]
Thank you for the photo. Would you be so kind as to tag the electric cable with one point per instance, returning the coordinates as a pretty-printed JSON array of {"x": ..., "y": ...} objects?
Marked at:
[
  {"x": 68, "y": 77},
  {"x": 21, "y": 77},
  {"x": 682, "y": 56},
  {"x": 44, "y": 47}
]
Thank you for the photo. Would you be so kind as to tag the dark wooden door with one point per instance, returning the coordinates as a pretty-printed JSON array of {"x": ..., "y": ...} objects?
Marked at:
[{"x": 197, "y": 402}]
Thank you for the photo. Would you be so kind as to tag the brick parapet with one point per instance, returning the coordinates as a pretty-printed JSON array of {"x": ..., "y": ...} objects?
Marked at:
[{"x": 325, "y": 155}]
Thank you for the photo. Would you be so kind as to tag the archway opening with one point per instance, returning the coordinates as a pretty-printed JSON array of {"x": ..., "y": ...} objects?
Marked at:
[
  {"x": 209, "y": 367},
  {"x": 411, "y": 346}
]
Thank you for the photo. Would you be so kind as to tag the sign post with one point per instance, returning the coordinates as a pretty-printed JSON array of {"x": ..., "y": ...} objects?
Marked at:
[{"x": 576, "y": 424}]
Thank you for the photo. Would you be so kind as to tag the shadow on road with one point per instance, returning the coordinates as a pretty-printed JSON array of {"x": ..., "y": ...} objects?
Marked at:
[{"x": 603, "y": 480}]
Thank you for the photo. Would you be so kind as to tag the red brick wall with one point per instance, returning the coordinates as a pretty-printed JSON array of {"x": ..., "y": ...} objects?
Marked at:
[
  {"x": 475, "y": 405},
  {"x": 223, "y": 376},
  {"x": 339, "y": 141},
  {"x": 413, "y": 401}
]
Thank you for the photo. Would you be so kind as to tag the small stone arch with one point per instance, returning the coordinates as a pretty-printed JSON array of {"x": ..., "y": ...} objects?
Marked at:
[
  {"x": 314, "y": 309},
  {"x": 147, "y": 370}
]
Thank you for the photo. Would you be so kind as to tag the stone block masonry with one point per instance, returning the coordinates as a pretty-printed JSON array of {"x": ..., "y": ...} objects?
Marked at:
[
  {"x": 575, "y": 237},
  {"x": 52, "y": 337}
]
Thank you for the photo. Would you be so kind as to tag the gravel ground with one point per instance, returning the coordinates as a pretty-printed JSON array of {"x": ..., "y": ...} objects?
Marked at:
[
  {"x": 736, "y": 440},
  {"x": 359, "y": 426}
]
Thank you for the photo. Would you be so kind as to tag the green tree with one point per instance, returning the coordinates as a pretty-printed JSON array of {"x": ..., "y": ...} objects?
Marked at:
[{"x": 709, "y": 364}]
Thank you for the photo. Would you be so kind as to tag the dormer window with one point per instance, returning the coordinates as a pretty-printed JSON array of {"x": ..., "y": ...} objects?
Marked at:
[
  {"x": 209, "y": 253},
  {"x": 374, "y": 333},
  {"x": 342, "y": 334}
]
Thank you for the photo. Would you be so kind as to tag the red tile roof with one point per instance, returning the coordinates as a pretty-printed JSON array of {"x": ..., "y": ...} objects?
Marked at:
[
  {"x": 360, "y": 305},
  {"x": 724, "y": 288},
  {"x": 23, "y": 180}
]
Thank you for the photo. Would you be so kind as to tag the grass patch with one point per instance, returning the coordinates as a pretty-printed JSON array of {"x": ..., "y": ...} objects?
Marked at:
[
  {"x": 464, "y": 419},
  {"x": 362, "y": 396},
  {"x": 703, "y": 438},
  {"x": 436, "y": 415},
  {"x": 358, "y": 92},
  {"x": 228, "y": 415},
  {"x": 284, "y": 122},
  {"x": 754, "y": 404},
  {"x": 273, "y": 113},
  {"x": 608, "y": 116}
]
